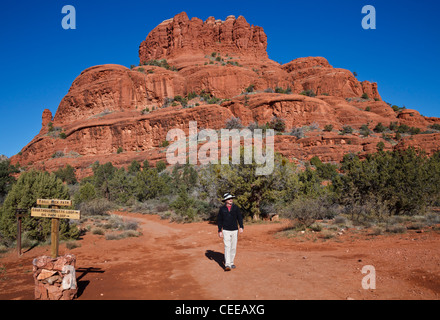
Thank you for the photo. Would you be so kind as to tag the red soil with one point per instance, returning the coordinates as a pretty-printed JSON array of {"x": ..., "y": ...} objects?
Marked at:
[{"x": 183, "y": 261}]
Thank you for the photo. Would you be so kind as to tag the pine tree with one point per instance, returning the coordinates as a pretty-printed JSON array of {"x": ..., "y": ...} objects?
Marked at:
[{"x": 30, "y": 186}]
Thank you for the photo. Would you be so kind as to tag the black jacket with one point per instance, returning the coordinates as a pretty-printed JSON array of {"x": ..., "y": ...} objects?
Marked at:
[{"x": 227, "y": 220}]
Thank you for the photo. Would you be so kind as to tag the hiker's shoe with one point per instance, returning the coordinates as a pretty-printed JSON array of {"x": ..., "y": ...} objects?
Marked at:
[
  {"x": 233, "y": 266},
  {"x": 227, "y": 268}
]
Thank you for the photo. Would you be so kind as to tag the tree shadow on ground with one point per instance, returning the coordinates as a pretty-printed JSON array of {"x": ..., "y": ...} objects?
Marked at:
[{"x": 82, "y": 284}]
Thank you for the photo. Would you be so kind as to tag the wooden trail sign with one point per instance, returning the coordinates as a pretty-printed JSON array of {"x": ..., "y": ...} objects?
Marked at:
[
  {"x": 56, "y": 214},
  {"x": 54, "y": 202}
]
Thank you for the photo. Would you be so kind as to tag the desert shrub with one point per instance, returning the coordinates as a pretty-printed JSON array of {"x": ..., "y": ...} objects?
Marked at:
[
  {"x": 380, "y": 145},
  {"x": 403, "y": 128},
  {"x": 66, "y": 174},
  {"x": 183, "y": 176},
  {"x": 250, "y": 88},
  {"x": 395, "y": 228},
  {"x": 167, "y": 102},
  {"x": 148, "y": 184},
  {"x": 340, "y": 220},
  {"x": 435, "y": 126},
  {"x": 213, "y": 100},
  {"x": 309, "y": 93},
  {"x": 432, "y": 218},
  {"x": 183, "y": 101},
  {"x": 364, "y": 130},
  {"x": 160, "y": 63},
  {"x": 393, "y": 126},
  {"x": 72, "y": 245},
  {"x": 58, "y": 154},
  {"x": 315, "y": 227},
  {"x": 366, "y": 211},
  {"x": 297, "y": 132},
  {"x": 306, "y": 210},
  {"x": 328, "y": 127},
  {"x": 312, "y": 127},
  {"x": 288, "y": 90},
  {"x": 120, "y": 186},
  {"x": 160, "y": 165},
  {"x": 414, "y": 130},
  {"x": 254, "y": 125},
  {"x": 98, "y": 231},
  {"x": 95, "y": 207},
  {"x": 191, "y": 95},
  {"x": 6, "y": 177},
  {"x": 347, "y": 130},
  {"x": 86, "y": 192},
  {"x": 403, "y": 182},
  {"x": 134, "y": 167},
  {"x": 365, "y": 96},
  {"x": 118, "y": 223},
  {"x": 102, "y": 175},
  {"x": 417, "y": 225},
  {"x": 277, "y": 124},
  {"x": 122, "y": 235},
  {"x": 184, "y": 206},
  {"x": 233, "y": 123},
  {"x": 379, "y": 128},
  {"x": 325, "y": 171}
]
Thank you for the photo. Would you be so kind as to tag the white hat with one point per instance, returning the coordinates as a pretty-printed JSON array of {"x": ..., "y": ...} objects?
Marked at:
[{"x": 227, "y": 196}]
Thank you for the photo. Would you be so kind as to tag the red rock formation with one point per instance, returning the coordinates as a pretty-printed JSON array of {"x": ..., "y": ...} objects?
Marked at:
[
  {"x": 315, "y": 73},
  {"x": 110, "y": 106},
  {"x": 430, "y": 143},
  {"x": 46, "y": 117},
  {"x": 106, "y": 89},
  {"x": 180, "y": 35},
  {"x": 412, "y": 118}
]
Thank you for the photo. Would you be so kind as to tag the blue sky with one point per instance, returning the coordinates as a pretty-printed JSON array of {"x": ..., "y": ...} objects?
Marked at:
[{"x": 39, "y": 59}]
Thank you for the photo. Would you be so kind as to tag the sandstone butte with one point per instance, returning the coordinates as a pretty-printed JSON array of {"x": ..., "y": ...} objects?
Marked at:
[{"x": 103, "y": 110}]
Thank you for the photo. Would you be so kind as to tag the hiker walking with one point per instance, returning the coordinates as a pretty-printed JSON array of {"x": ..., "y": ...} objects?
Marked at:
[{"x": 229, "y": 217}]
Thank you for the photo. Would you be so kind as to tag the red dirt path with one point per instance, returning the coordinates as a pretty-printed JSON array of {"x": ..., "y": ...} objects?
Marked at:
[{"x": 182, "y": 261}]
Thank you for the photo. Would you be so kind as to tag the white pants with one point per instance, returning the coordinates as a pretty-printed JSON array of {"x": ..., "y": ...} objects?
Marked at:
[{"x": 230, "y": 241}]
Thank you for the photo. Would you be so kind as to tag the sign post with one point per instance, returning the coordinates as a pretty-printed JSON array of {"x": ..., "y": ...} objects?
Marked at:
[
  {"x": 56, "y": 214},
  {"x": 19, "y": 213}
]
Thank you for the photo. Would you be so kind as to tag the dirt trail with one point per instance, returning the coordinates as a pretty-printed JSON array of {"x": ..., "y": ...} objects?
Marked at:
[{"x": 183, "y": 261}]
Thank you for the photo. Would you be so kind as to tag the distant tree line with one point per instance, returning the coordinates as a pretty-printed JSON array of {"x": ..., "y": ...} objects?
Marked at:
[{"x": 382, "y": 185}]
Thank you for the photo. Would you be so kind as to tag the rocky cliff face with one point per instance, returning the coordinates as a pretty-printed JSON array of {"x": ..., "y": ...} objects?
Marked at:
[
  {"x": 222, "y": 70},
  {"x": 180, "y": 35}
]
